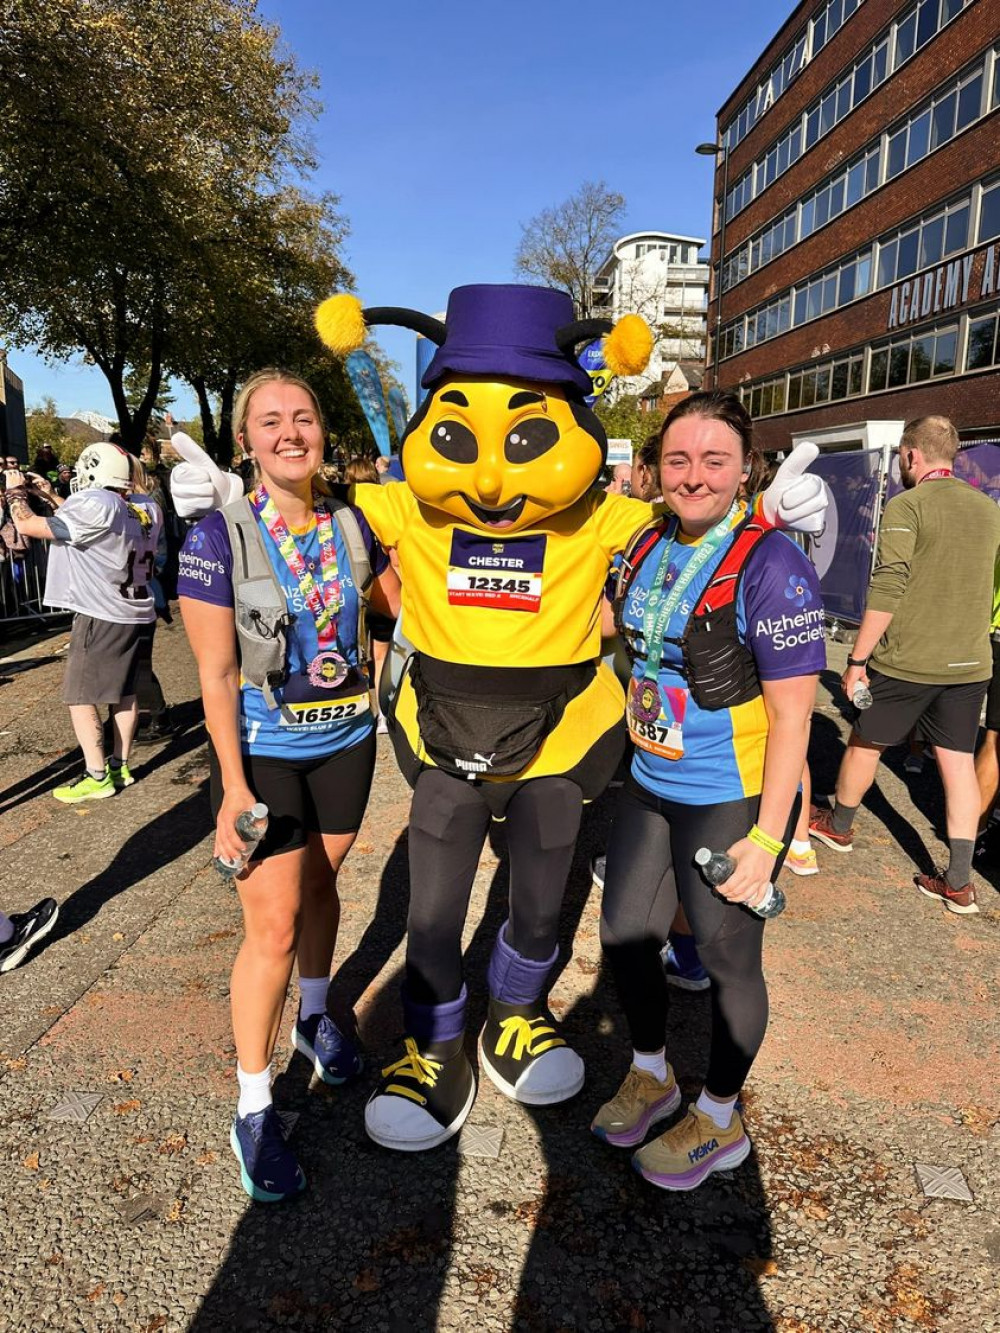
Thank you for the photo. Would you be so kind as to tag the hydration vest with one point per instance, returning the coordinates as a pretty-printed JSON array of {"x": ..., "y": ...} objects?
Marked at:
[
  {"x": 718, "y": 669},
  {"x": 263, "y": 620}
]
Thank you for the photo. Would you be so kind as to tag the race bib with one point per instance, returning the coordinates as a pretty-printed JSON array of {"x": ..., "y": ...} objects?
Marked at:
[
  {"x": 655, "y": 717},
  {"x": 323, "y": 714},
  {"x": 306, "y": 703},
  {"x": 505, "y": 575}
]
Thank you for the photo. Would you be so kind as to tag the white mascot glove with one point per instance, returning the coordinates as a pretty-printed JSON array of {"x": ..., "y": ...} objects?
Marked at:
[
  {"x": 198, "y": 485},
  {"x": 796, "y": 499}
]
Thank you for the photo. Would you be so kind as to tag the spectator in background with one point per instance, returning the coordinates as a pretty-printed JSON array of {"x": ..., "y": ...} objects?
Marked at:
[
  {"x": 926, "y": 631},
  {"x": 988, "y": 754},
  {"x": 64, "y": 481},
  {"x": 100, "y": 566},
  {"x": 621, "y": 480},
  {"x": 645, "y": 474},
  {"x": 382, "y": 469},
  {"x": 46, "y": 463}
]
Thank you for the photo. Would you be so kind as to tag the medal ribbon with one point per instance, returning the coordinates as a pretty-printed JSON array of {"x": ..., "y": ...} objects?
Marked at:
[
  {"x": 661, "y": 605},
  {"x": 326, "y": 600}
]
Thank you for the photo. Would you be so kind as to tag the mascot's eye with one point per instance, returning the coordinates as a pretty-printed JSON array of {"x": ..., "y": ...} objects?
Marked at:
[
  {"x": 530, "y": 439},
  {"x": 455, "y": 442}
]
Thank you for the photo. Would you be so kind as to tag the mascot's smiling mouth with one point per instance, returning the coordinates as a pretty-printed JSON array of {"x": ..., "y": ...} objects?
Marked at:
[{"x": 498, "y": 518}]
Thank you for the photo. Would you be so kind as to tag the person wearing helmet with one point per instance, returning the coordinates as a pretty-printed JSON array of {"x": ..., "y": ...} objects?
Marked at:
[{"x": 100, "y": 567}]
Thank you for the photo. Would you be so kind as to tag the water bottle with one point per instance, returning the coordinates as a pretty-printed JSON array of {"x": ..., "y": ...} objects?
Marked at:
[
  {"x": 862, "y": 696},
  {"x": 251, "y": 826},
  {"x": 718, "y": 866}
]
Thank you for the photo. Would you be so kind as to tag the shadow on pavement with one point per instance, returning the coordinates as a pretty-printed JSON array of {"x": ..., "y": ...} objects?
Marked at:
[
  {"x": 374, "y": 1237},
  {"x": 156, "y": 845},
  {"x": 190, "y": 734}
]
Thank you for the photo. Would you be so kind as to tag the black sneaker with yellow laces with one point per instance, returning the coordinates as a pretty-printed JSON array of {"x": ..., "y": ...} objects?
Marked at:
[
  {"x": 423, "y": 1098},
  {"x": 524, "y": 1054}
]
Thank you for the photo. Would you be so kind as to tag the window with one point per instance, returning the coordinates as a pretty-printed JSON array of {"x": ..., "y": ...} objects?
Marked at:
[
  {"x": 943, "y": 120},
  {"x": 921, "y": 359},
  {"x": 931, "y": 242},
  {"x": 989, "y": 214},
  {"x": 899, "y": 364},
  {"x": 956, "y": 231},
  {"x": 970, "y": 97},
  {"x": 897, "y": 154},
  {"x": 982, "y": 343},
  {"x": 919, "y": 140},
  {"x": 916, "y": 26},
  {"x": 906, "y": 257},
  {"x": 855, "y": 376},
  {"x": 887, "y": 263},
  {"x": 878, "y": 370},
  {"x": 945, "y": 346}
]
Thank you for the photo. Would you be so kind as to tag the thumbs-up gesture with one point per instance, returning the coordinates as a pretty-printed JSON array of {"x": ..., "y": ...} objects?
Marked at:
[
  {"x": 198, "y": 485},
  {"x": 795, "y": 498}
]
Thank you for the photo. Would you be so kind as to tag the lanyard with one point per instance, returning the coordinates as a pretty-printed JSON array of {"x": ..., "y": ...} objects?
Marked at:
[
  {"x": 660, "y": 608},
  {"x": 324, "y": 602},
  {"x": 938, "y": 472}
]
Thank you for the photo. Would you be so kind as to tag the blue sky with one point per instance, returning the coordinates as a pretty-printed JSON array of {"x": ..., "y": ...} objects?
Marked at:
[{"x": 449, "y": 123}]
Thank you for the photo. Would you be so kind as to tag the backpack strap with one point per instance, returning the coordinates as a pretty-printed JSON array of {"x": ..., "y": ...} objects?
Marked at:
[
  {"x": 632, "y": 559},
  {"x": 724, "y": 584},
  {"x": 250, "y": 562},
  {"x": 362, "y": 575}
]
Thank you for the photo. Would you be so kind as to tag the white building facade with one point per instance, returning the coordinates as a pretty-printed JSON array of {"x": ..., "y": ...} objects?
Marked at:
[{"x": 658, "y": 275}]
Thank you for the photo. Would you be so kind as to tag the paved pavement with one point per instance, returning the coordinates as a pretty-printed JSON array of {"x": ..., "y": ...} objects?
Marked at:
[{"x": 882, "y": 1053}]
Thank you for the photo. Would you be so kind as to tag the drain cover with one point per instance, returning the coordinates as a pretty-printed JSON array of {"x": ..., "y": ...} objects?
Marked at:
[
  {"x": 480, "y": 1140},
  {"x": 943, "y": 1182},
  {"x": 78, "y": 1106}
]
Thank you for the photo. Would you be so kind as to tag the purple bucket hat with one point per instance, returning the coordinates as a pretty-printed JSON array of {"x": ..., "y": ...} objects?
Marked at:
[{"x": 507, "y": 329}]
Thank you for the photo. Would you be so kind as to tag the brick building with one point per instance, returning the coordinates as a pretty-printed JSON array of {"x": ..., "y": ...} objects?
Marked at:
[{"x": 861, "y": 274}]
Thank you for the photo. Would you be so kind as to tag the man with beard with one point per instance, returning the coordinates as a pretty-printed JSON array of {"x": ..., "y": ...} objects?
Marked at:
[{"x": 923, "y": 648}]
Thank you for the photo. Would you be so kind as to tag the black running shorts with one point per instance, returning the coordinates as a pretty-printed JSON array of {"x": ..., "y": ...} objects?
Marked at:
[
  {"x": 993, "y": 693},
  {"x": 304, "y": 796},
  {"x": 948, "y": 715},
  {"x": 103, "y": 660}
]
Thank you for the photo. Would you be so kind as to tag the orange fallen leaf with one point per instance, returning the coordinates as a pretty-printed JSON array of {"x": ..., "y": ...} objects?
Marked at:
[
  {"x": 31, "y": 1161},
  {"x": 173, "y": 1144},
  {"x": 121, "y": 1076},
  {"x": 124, "y": 1108},
  {"x": 117, "y": 935},
  {"x": 760, "y": 1267},
  {"x": 96, "y": 1293},
  {"x": 19, "y": 1062},
  {"x": 364, "y": 848},
  {"x": 206, "y": 1158}
]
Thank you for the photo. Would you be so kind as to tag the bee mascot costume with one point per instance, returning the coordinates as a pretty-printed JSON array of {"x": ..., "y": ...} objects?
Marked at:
[{"x": 504, "y": 711}]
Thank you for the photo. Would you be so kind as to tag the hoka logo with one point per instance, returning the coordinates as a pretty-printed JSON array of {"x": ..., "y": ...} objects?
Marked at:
[{"x": 696, "y": 1154}]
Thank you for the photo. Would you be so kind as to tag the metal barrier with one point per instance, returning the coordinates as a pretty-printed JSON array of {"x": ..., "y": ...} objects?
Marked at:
[{"x": 22, "y": 585}]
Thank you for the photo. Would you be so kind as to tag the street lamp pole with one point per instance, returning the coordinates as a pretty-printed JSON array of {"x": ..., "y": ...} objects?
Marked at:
[{"x": 713, "y": 150}]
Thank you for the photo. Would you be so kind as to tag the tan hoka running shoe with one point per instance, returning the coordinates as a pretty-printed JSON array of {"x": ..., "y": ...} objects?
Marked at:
[
  {"x": 638, "y": 1104},
  {"x": 681, "y": 1158}
]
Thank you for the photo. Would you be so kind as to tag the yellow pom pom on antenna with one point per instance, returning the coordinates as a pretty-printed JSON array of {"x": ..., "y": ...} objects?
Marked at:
[
  {"x": 340, "y": 323},
  {"x": 628, "y": 347}
]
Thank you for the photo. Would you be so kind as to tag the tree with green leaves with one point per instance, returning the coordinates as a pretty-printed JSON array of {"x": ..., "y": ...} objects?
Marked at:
[{"x": 149, "y": 157}]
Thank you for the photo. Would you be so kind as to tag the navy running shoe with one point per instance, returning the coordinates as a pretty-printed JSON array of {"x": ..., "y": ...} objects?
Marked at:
[
  {"x": 334, "y": 1056},
  {"x": 268, "y": 1168}
]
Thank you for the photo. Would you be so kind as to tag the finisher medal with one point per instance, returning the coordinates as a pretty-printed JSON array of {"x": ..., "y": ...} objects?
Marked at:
[
  {"x": 644, "y": 700},
  {"x": 327, "y": 670}
]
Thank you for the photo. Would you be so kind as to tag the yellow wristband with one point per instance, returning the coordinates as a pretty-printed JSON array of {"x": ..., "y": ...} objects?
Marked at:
[{"x": 764, "y": 841}]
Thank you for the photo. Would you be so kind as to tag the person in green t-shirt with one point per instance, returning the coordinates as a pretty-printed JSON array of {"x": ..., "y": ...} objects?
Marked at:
[
  {"x": 923, "y": 648},
  {"x": 988, "y": 754}
]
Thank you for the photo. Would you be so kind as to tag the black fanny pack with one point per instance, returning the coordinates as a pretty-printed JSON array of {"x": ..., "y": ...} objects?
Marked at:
[{"x": 480, "y": 722}]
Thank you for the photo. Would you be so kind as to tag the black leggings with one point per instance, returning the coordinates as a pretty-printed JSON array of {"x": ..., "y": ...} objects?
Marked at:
[
  {"x": 650, "y": 867},
  {"x": 449, "y": 820}
]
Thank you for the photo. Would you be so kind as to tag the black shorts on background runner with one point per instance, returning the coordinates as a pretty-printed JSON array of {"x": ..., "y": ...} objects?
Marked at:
[
  {"x": 948, "y": 715},
  {"x": 304, "y": 796}
]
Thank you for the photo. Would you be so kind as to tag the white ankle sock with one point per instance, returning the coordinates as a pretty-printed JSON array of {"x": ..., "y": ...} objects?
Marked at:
[
  {"x": 255, "y": 1090},
  {"x": 799, "y": 848},
  {"x": 720, "y": 1112},
  {"x": 312, "y": 995},
  {"x": 654, "y": 1063}
]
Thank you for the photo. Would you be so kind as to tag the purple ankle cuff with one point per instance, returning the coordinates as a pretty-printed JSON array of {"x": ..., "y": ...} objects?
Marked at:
[
  {"x": 435, "y": 1022},
  {"x": 514, "y": 979}
]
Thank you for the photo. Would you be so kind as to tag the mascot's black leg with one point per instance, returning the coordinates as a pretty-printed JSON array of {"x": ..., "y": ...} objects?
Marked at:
[
  {"x": 424, "y": 1097},
  {"x": 521, "y": 1049}
]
